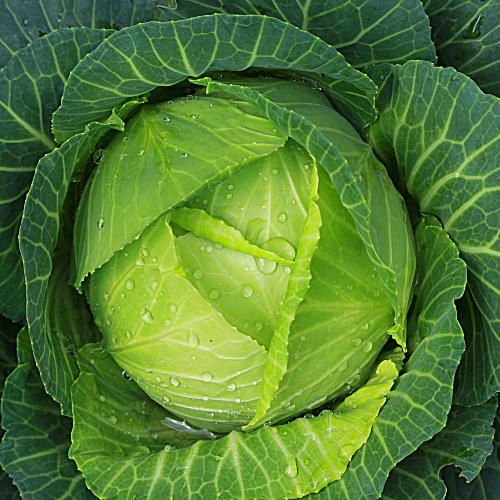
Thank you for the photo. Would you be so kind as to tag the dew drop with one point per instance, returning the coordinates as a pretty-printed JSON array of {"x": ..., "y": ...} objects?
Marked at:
[
  {"x": 100, "y": 223},
  {"x": 123, "y": 155},
  {"x": 342, "y": 367},
  {"x": 193, "y": 339},
  {"x": 184, "y": 156},
  {"x": 130, "y": 284},
  {"x": 141, "y": 152},
  {"x": 230, "y": 187},
  {"x": 198, "y": 274},
  {"x": 214, "y": 294},
  {"x": 166, "y": 399},
  {"x": 282, "y": 217},
  {"x": 367, "y": 346},
  {"x": 102, "y": 398},
  {"x": 258, "y": 325},
  {"x": 207, "y": 377},
  {"x": 154, "y": 284},
  {"x": 291, "y": 469},
  {"x": 146, "y": 316},
  {"x": 113, "y": 419},
  {"x": 265, "y": 266},
  {"x": 229, "y": 196},
  {"x": 125, "y": 375},
  {"x": 210, "y": 249},
  {"x": 231, "y": 387},
  {"x": 365, "y": 326},
  {"x": 194, "y": 116},
  {"x": 247, "y": 291},
  {"x": 166, "y": 119},
  {"x": 174, "y": 381},
  {"x": 274, "y": 171},
  {"x": 172, "y": 308},
  {"x": 356, "y": 341}
]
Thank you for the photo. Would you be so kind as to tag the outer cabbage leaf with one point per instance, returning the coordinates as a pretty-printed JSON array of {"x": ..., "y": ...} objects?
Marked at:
[
  {"x": 140, "y": 58},
  {"x": 465, "y": 442},
  {"x": 49, "y": 298},
  {"x": 442, "y": 134},
  {"x": 485, "y": 486},
  {"x": 365, "y": 32},
  {"x": 31, "y": 86},
  {"x": 35, "y": 446},
  {"x": 418, "y": 406},
  {"x": 23, "y": 22},
  {"x": 467, "y": 37},
  {"x": 272, "y": 462}
]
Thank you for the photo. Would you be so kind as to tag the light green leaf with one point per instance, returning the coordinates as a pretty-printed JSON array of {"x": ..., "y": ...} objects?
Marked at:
[
  {"x": 298, "y": 285},
  {"x": 216, "y": 230},
  {"x": 167, "y": 153},
  {"x": 365, "y": 32},
  {"x": 31, "y": 86},
  {"x": 361, "y": 181},
  {"x": 418, "y": 406},
  {"x": 115, "y": 71},
  {"x": 448, "y": 155},
  {"x": 465, "y": 442},
  {"x": 273, "y": 462},
  {"x": 467, "y": 37},
  {"x": 35, "y": 446},
  {"x": 22, "y": 23},
  {"x": 176, "y": 345}
]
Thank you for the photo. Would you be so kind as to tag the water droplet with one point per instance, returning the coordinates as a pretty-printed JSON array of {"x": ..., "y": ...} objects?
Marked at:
[
  {"x": 231, "y": 387},
  {"x": 98, "y": 155},
  {"x": 125, "y": 375},
  {"x": 100, "y": 223},
  {"x": 265, "y": 266},
  {"x": 123, "y": 155},
  {"x": 287, "y": 270},
  {"x": 166, "y": 119},
  {"x": 282, "y": 217},
  {"x": 166, "y": 399},
  {"x": 172, "y": 308},
  {"x": 356, "y": 341},
  {"x": 230, "y": 187},
  {"x": 129, "y": 284},
  {"x": 146, "y": 316},
  {"x": 128, "y": 335},
  {"x": 194, "y": 116},
  {"x": 184, "y": 156},
  {"x": 274, "y": 171},
  {"x": 237, "y": 400},
  {"x": 210, "y": 249},
  {"x": 291, "y": 469},
  {"x": 259, "y": 325},
  {"x": 102, "y": 398},
  {"x": 207, "y": 377},
  {"x": 174, "y": 381},
  {"x": 214, "y": 294},
  {"x": 247, "y": 291},
  {"x": 367, "y": 346},
  {"x": 193, "y": 339},
  {"x": 113, "y": 419},
  {"x": 141, "y": 152},
  {"x": 365, "y": 326},
  {"x": 154, "y": 284},
  {"x": 342, "y": 367},
  {"x": 229, "y": 196},
  {"x": 198, "y": 274},
  {"x": 352, "y": 403}
]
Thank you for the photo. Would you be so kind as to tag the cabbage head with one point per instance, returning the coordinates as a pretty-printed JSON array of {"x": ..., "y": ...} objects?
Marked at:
[{"x": 249, "y": 249}]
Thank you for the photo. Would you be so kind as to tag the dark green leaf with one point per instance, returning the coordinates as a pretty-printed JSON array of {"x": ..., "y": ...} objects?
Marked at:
[
  {"x": 35, "y": 446},
  {"x": 465, "y": 442},
  {"x": 467, "y": 37},
  {"x": 31, "y": 86},
  {"x": 365, "y": 32},
  {"x": 140, "y": 58},
  {"x": 443, "y": 134},
  {"x": 24, "y": 21}
]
